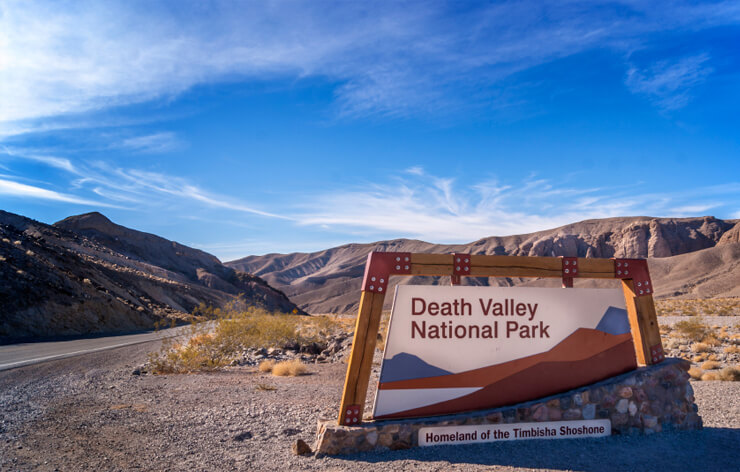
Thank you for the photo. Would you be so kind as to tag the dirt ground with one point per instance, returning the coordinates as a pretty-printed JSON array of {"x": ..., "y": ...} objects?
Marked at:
[{"x": 91, "y": 413}]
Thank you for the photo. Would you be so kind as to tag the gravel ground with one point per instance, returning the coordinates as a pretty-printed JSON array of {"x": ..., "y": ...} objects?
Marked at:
[{"x": 90, "y": 413}]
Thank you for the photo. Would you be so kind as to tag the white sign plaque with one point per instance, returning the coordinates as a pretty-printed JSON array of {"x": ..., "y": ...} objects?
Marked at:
[
  {"x": 469, "y": 434},
  {"x": 453, "y": 349}
]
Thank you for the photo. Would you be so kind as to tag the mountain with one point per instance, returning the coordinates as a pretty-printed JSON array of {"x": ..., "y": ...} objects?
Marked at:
[
  {"x": 86, "y": 274},
  {"x": 329, "y": 280}
]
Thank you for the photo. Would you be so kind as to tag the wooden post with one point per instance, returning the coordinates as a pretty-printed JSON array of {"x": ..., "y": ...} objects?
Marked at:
[
  {"x": 361, "y": 358},
  {"x": 643, "y": 325}
]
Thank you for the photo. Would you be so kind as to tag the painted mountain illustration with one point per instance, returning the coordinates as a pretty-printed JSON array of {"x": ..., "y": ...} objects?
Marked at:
[
  {"x": 584, "y": 357},
  {"x": 614, "y": 321},
  {"x": 405, "y": 366}
]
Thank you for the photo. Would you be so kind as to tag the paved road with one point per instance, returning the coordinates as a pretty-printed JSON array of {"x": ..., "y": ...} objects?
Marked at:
[{"x": 17, "y": 355}]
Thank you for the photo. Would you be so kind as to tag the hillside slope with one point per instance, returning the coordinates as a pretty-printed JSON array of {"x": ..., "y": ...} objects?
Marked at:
[
  {"x": 329, "y": 281},
  {"x": 86, "y": 275}
]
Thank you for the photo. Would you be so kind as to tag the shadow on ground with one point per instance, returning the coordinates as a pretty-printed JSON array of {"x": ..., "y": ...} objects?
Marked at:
[{"x": 708, "y": 449}]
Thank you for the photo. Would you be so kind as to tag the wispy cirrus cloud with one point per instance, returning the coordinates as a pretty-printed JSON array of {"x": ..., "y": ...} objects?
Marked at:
[
  {"x": 440, "y": 210},
  {"x": 52, "y": 161},
  {"x": 151, "y": 143},
  {"x": 668, "y": 83},
  {"x": 390, "y": 59},
  {"x": 17, "y": 189},
  {"x": 121, "y": 187}
]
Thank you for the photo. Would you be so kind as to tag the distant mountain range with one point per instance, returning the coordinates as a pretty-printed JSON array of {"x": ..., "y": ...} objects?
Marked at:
[
  {"x": 688, "y": 257},
  {"x": 86, "y": 274}
]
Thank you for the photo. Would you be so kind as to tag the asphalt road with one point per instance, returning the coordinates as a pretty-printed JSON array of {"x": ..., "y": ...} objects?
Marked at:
[{"x": 17, "y": 355}]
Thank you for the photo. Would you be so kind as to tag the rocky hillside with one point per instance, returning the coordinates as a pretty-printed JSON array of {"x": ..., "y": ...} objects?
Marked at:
[
  {"x": 329, "y": 281},
  {"x": 86, "y": 274}
]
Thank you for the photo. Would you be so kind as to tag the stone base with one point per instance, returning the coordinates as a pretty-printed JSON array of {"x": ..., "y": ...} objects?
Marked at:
[{"x": 647, "y": 400}]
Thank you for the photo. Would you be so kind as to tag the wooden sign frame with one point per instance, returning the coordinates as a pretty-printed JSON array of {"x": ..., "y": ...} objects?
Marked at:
[{"x": 633, "y": 274}]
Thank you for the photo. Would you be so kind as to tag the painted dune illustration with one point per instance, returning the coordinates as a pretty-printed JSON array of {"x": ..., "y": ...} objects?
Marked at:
[{"x": 586, "y": 356}]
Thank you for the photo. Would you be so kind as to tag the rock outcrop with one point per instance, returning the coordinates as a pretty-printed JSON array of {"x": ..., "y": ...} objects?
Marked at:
[{"x": 87, "y": 275}]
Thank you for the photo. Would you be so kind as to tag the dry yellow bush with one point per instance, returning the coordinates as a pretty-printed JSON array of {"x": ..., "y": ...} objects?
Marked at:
[
  {"x": 712, "y": 340},
  {"x": 221, "y": 334},
  {"x": 711, "y": 365},
  {"x": 383, "y": 330},
  {"x": 266, "y": 366},
  {"x": 701, "y": 347},
  {"x": 730, "y": 374},
  {"x": 696, "y": 373},
  {"x": 289, "y": 368},
  {"x": 711, "y": 376},
  {"x": 700, "y": 358},
  {"x": 732, "y": 349}
]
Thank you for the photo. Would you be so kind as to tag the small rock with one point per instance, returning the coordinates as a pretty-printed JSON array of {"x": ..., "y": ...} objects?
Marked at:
[
  {"x": 291, "y": 431},
  {"x": 242, "y": 436},
  {"x": 589, "y": 411},
  {"x": 300, "y": 448}
]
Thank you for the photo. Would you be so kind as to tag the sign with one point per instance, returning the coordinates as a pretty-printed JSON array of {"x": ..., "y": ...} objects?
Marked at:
[
  {"x": 514, "y": 431},
  {"x": 455, "y": 349}
]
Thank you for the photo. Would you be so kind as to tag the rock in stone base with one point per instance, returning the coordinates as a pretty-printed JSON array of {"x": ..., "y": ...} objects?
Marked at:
[{"x": 647, "y": 400}]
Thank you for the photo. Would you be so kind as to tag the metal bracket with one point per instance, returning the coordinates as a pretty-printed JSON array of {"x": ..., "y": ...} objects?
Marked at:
[
  {"x": 353, "y": 415},
  {"x": 637, "y": 270},
  {"x": 657, "y": 354},
  {"x": 570, "y": 270},
  {"x": 460, "y": 266},
  {"x": 380, "y": 265}
]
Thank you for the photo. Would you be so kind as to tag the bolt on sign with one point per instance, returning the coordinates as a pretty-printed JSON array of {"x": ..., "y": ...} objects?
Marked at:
[{"x": 455, "y": 349}]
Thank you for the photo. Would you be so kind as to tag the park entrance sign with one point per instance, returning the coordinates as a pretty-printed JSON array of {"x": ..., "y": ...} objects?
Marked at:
[
  {"x": 456, "y": 349},
  {"x": 467, "y": 348}
]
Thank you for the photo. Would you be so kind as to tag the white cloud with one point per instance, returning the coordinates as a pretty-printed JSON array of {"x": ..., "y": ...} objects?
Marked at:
[
  {"x": 60, "y": 58},
  {"x": 438, "y": 210},
  {"x": 668, "y": 83},
  {"x": 16, "y": 189},
  {"x": 151, "y": 143},
  {"x": 128, "y": 186},
  {"x": 52, "y": 161}
]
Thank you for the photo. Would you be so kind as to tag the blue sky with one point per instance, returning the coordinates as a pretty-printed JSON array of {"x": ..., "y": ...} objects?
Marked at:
[{"x": 253, "y": 127}]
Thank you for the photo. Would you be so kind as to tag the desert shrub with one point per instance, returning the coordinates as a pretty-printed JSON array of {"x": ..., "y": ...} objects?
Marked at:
[
  {"x": 696, "y": 373},
  {"x": 693, "y": 330},
  {"x": 700, "y": 358},
  {"x": 383, "y": 330},
  {"x": 222, "y": 334},
  {"x": 730, "y": 374},
  {"x": 711, "y": 376},
  {"x": 289, "y": 368},
  {"x": 701, "y": 347},
  {"x": 266, "y": 366},
  {"x": 732, "y": 349},
  {"x": 710, "y": 365}
]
